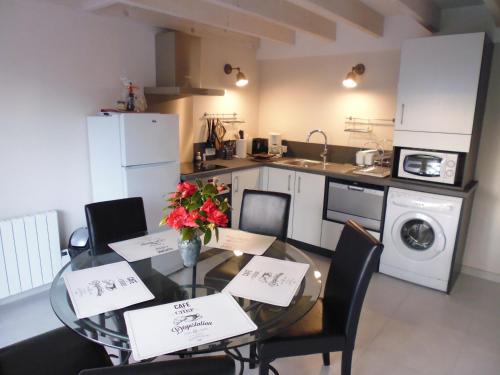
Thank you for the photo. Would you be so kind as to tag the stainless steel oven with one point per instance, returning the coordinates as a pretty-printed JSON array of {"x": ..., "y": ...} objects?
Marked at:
[
  {"x": 432, "y": 166},
  {"x": 360, "y": 202}
]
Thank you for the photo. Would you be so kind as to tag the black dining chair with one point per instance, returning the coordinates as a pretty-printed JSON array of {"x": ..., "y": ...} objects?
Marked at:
[
  {"x": 114, "y": 220},
  {"x": 262, "y": 212},
  {"x": 265, "y": 212},
  {"x": 123, "y": 219},
  {"x": 332, "y": 323},
  {"x": 63, "y": 352}
]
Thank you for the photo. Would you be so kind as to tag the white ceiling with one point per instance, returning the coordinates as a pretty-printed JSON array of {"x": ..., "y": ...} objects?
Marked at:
[{"x": 357, "y": 27}]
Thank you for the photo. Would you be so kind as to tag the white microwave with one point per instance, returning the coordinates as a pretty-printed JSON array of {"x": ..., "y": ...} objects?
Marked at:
[{"x": 432, "y": 166}]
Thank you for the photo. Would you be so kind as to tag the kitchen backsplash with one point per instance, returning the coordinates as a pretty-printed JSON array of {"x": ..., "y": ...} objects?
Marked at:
[{"x": 336, "y": 154}]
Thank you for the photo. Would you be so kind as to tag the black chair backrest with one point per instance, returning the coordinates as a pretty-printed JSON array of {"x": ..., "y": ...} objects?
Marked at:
[
  {"x": 115, "y": 220},
  {"x": 353, "y": 263},
  {"x": 265, "y": 212}
]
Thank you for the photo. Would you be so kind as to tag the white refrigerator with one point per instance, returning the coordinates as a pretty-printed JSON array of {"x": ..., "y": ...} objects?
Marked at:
[{"x": 135, "y": 155}]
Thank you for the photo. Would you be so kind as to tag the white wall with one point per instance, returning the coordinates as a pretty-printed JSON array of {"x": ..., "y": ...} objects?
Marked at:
[
  {"x": 482, "y": 254},
  {"x": 301, "y": 94},
  {"x": 483, "y": 250},
  {"x": 243, "y": 100},
  {"x": 57, "y": 66},
  {"x": 469, "y": 20}
]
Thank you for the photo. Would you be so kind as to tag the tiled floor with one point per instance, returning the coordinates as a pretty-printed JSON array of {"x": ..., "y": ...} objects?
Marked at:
[{"x": 404, "y": 329}]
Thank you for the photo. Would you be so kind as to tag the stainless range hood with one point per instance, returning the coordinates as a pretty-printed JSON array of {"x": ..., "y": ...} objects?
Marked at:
[{"x": 178, "y": 60}]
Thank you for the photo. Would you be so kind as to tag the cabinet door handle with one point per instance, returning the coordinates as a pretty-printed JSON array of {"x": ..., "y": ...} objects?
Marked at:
[
  {"x": 237, "y": 183},
  {"x": 289, "y": 181},
  {"x": 402, "y": 113},
  {"x": 298, "y": 188}
]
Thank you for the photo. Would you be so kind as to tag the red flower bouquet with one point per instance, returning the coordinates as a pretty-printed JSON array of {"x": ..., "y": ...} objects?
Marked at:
[{"x": 196, "y": 210}]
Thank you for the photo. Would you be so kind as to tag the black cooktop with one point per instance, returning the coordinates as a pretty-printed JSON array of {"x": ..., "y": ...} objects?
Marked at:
[{"x": 207, "y": 167}]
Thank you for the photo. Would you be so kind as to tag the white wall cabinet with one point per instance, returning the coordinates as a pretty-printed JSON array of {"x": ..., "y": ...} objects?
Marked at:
[
  {"x": 282, "y": 181},
  {"x": 330, "y": 234},
  {"x": 308, "y": 207},
  {"x": 241, "y": 180},
  {"x": 438, "y": 83}
]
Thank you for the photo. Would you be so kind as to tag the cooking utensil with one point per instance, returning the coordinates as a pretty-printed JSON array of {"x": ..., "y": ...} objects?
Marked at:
[
  {"x": 213, "y": 136},
  {"x": 220, "y": 132},
  {"x": 209, "y": 135},
  {"x": 241, "y": 133}
]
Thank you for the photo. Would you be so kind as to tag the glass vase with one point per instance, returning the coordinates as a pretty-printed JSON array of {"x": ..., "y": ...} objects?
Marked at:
[{"x": 190, "y": 250}]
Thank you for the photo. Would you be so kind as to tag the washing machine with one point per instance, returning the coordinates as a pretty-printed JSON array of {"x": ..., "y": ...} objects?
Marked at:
[{"x": 419, "y": 237}]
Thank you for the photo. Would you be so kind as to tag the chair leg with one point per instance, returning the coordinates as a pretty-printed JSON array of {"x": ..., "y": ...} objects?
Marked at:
[
  {"x": 253, "y": 356},
  {"x": 326, "y": 359},
  {"x": 346, "y": 362},
  {"x": 263, "y": 368}
]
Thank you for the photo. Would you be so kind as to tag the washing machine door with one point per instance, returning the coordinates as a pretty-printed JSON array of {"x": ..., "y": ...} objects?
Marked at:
[{"x": 418, "y": 236}]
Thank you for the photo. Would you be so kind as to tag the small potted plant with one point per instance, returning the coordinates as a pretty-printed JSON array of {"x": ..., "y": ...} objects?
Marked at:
[{"x": 196, "y": 211}]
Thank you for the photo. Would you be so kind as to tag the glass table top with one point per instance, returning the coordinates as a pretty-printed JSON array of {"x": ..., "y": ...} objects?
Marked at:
[{"x": 169, "y": 281}]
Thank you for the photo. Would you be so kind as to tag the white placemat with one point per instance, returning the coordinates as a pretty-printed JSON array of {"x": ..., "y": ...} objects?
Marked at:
[
  {"x": 163, "y": 329},
  {"x": 105, "y": 288},
  {"x": 268, "y": 280},
  {"x": 238, "y": 240},
  {"x": 147, "y": 246}
]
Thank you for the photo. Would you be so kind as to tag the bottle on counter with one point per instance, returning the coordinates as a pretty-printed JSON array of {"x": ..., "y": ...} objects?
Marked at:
[{"x": 197, "y": 158}]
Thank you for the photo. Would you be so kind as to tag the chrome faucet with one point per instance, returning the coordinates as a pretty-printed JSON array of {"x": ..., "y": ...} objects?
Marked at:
[{"x": 325, "y": 150}]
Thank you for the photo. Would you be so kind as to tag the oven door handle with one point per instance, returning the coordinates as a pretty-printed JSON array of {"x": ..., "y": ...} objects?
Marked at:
[{"x": 356, "y": 188}]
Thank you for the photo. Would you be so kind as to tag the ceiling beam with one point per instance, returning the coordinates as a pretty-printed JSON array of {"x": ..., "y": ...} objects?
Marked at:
[
  {"x": 285, "y": 14},
  {"x": 352, "y": 12},
  {"x": 166, "y": 21},
  {"x": 212, "y": 15},
  {"x": 494, "y": 8},
  {"x": 426, "y": 12}
]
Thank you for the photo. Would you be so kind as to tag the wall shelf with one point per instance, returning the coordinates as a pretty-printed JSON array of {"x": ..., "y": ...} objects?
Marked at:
[{"x": 364, "y": 125}]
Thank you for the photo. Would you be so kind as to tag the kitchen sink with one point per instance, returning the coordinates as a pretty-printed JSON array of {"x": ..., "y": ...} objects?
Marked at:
[{"x": 305, "y": 163}]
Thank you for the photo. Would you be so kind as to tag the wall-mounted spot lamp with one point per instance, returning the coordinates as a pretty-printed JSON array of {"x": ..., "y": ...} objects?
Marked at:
[
  {"x": 241, "y": 79},
  {"x": 351, "y": 79}
]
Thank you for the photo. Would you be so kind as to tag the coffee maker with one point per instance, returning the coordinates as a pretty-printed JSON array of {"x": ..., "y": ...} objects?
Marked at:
[
  {"x": 260, "y": 146},
  {"x": 275, "y": 146}
]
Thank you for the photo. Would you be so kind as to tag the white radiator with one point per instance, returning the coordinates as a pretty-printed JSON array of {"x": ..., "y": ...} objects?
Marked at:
[{"x": 30, "y": 253}]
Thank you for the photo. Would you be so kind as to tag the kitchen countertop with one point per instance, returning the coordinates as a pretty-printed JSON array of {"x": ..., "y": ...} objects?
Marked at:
[{"x": 332, "y": 170}]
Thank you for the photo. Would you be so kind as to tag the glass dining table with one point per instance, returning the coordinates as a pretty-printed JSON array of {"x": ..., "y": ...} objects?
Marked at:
[{"x": 169, "y": 281}]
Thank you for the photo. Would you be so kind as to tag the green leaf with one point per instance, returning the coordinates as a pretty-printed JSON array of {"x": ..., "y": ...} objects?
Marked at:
[
  {"x": 193, "y": 206},
  {"x": 224, "y": 206},
  {"x": 209, "y": 189},
  {"x": 199, "y": 183},
  {"x": 187, "y": 234},
  {"x": 208, "y": 237},
  {"x": 196, "y": 196},
  {"x": 217, "y": 234}
]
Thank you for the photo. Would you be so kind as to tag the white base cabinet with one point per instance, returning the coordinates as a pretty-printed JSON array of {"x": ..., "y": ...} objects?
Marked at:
[
  {"x": 308, "y": 207},
  {"x": 282, "y": 181},
  {"x": 241, "y": 180},
  {"x": 330, "y": 234}
]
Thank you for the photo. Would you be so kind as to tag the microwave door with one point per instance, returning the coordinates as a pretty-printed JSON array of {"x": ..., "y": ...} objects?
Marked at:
[
  {"x": 433, "y": 167},
  {"x": 422, "y": 165}
]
